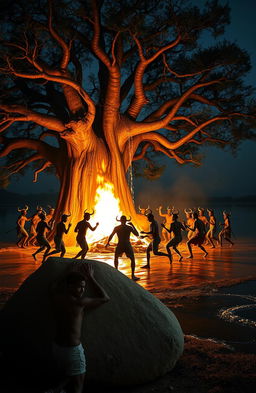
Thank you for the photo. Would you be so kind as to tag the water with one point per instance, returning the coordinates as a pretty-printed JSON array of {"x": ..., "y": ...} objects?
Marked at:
[{"x": 192, "y": 289}]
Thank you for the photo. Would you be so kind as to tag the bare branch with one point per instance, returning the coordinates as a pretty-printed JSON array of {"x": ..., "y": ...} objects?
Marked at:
[
  {"x": 96, "y": 37},
  {"x": 140, "y": 99},
  {"x": 48, "y": 121},
  {"x": 139, "y": 128},
  {"x": 113, "y": 48},
  {"x": 65, "y": 48},
  {"x": 41, "y": 169}
]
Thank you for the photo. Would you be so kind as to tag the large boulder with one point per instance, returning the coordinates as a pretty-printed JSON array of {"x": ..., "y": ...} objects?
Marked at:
[{"x": 132, "y": 339}]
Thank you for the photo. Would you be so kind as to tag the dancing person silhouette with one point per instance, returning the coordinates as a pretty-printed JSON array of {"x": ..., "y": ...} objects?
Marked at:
[
  {"x": 156, "y": 240},
  {"x": 81, "y": 229},
  {"x": 176, "y": 228},
  {"x": 58, "y": 238},
  {"x": 123, "y": 233},
  {"x": 199, "y": 237}
]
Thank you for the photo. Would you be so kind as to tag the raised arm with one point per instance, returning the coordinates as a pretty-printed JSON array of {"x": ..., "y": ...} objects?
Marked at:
[
  {"x": 68, "y": 228},
  {"x": 102, "y": 296},
  {"x": 92, "y": 228}
]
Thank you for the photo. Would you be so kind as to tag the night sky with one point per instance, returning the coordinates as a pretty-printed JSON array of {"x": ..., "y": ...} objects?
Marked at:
[{"x": 221, "y": 173}]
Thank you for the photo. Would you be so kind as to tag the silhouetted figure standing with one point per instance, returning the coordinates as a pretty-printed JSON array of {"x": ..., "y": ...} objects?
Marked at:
[
  {"x": 176, "y": 228},
  {"x": 198, "y": 239},
  {"x": 123, "y": 233},
  {"x": 34, "y": 221},
  {"x": 21, "y": 231},
  {"x": 69, "y": 305},
  {"x": 81, "y": 229},
  {"x": 226, "y": 231},
  {"x": 41, "y": 229},
  {"x": 210, "y": 235},
  {"x": 58, "y": 238},
  {"x": 153, "y": 246}
]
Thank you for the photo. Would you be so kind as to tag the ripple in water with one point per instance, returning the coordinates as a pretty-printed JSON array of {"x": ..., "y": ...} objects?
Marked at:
[{"x": 243, "y": 314}]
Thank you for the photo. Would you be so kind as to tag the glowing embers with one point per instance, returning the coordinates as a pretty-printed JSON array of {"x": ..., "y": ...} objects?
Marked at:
[{"x": 106, "y": 208}]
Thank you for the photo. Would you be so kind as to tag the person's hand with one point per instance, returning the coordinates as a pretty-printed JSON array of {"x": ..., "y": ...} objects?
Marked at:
[
  {"x": 69, "y": 225},
  {"x": 106, "y": 245},
  {"x": 97, "y": 223},
  {"x": 87, "y": 269}
]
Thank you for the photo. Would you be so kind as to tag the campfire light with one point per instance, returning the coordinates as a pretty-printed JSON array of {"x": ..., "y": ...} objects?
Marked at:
[{"x": 106, "y": 207}]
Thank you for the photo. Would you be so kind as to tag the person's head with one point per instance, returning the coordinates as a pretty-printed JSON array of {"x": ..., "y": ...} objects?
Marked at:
[
  {"x": 51, "y": 210},
  {"x": 226, "y": 215},
  {"x": 175, "y": 216},
  {"x": 188, "y": 213},
  {"x": 87, "y": 216},
  {"x": 210, "y": 212},
  {"x": 64, "y": 217},
  {"x": 195, "y": 215},
  {"x": 39, "y": 209},
  {"x": 75, "y": 284},
  {"x": 150, "y": 217},
  {"x": 42, "y": 216},
  {"x": 201, "y": 211},
  {"x": 123, "y": 220}
]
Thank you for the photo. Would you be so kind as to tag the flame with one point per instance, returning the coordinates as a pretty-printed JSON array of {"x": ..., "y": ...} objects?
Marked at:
[{"x": 106, "y": 207}]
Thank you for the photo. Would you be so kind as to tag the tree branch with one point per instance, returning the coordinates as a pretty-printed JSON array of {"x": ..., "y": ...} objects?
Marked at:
[
  {"x": 45, "y": 165},
  {"x": 139, "y": 98},
  {"x": 65, "y": 48},
  {"x": 143, "y": 127},
  {"x": 48, "y": 121}
]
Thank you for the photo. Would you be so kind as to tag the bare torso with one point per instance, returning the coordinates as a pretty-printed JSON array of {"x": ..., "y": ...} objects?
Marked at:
[{"x": 69, "y": 315}]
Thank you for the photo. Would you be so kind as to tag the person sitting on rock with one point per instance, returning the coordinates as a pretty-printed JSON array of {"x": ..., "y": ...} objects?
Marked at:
[
  {"x": 199, "y": 237},
  {"x": 41, "y": 229},
  {"x": 156, "y": 240},
  {"x": 81, "y": 229},
  {"x": 58, "y": 238},
  {"x": 176, "y": 228},
  {"x": 123, "y": 233},
  {"x": 69, "y": 304}
]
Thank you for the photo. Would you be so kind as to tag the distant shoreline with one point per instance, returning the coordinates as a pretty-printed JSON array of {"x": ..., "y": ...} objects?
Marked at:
[{"x": 8, "y": 198}]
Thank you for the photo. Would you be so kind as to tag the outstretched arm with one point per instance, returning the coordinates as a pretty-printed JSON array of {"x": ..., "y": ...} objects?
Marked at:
[{"x": 134, "y": 230}]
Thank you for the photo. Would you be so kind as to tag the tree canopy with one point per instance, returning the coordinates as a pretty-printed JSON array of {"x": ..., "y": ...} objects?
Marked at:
[{"x": 160, "y": 65}]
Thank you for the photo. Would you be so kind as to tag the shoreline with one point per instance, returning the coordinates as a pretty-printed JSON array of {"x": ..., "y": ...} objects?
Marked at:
[{"x": 208, "y": 365}]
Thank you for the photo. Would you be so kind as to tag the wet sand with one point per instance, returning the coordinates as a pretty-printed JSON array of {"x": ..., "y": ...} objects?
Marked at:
[
  {"x": 195, "y": 290},
  {"x": 222, "y": 266}
]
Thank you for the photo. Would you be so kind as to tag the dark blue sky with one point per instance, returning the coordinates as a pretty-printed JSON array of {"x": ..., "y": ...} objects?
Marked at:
[{"x": 221, "y": 174}]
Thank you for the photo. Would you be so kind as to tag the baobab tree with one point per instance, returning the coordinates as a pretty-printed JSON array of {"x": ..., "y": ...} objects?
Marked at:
[{"x": 90, "y": 87}]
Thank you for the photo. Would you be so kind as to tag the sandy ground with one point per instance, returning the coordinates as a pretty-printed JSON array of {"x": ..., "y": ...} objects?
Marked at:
[{"x": 206, "y": 366}]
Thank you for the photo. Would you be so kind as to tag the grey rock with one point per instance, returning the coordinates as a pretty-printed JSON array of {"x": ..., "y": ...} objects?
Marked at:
[{"x": 132, "y": 339}]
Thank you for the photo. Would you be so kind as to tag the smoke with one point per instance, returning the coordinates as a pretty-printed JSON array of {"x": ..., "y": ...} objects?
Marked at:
[{"x": 183, "y": 193}]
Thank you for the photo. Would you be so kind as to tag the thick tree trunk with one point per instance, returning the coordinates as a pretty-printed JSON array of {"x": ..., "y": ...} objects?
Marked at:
[{"x": 84, "y": 176}]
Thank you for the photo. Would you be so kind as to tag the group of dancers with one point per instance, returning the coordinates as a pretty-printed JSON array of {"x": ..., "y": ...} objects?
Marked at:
[{"x": 200, "y": 232}]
